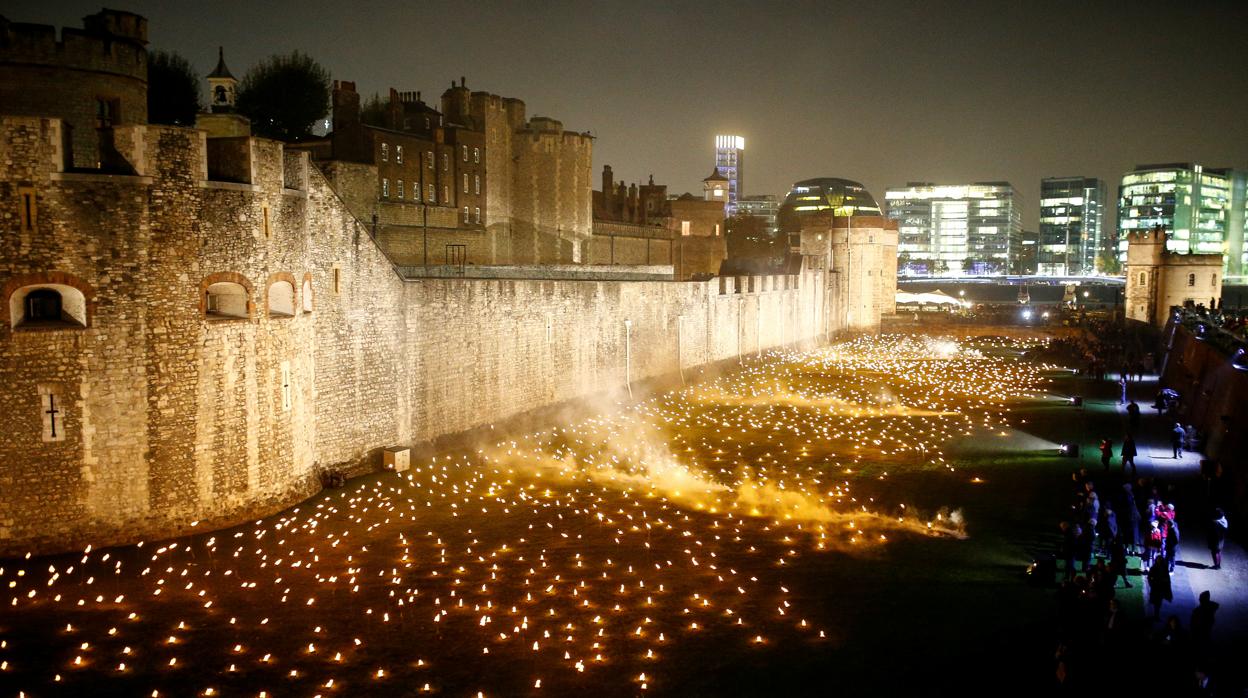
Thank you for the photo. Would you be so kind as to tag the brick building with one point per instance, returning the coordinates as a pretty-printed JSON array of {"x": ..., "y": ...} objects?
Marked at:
[
  {"x": 473, "y": 181},
  {"x": 191, "y": 337},
  {"x": 643, "y": 224}
]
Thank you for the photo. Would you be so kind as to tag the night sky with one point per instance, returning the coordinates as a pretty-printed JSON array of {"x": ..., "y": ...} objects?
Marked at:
[{"x": 880, "y": 92}]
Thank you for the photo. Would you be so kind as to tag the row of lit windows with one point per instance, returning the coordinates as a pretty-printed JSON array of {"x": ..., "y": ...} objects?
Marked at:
[
  {"x": 398, "y": 155},
  {"x": 399, "y": 191},
  {"x": 446, "y": 160}
]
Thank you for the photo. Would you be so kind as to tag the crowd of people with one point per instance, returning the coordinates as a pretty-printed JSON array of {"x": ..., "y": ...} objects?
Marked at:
[
  {"x": 1234, "y": 321},
  {"x": 1103, "y": 532}
]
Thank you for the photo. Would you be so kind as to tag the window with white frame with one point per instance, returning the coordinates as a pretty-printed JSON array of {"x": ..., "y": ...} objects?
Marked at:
[
  {"x": 429, "y": 159},
  {"x": 398, "y": 154},
  {"x": 465, "y": 182},
  {"x": 476, "y": 214},
  {"x": 476, "y": 155},
  {"x": 398, "y": 188},
  {"x": 476, "y": 184},
  {"x": 385, "y": 187},
  {"x": 416, "y": 191},
  {"x": 465, "y": 153},
  {"x": 385, "y": 152},
  {"x": 465, "y": 214},
  {"x": 433, "y": 194}
]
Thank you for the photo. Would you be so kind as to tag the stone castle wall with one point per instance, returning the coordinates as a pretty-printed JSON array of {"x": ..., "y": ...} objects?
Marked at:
[
  {"x": 72, "y": 74},
  {"x": 550, "y": 342},
  {"x": 169, "y": 416}
]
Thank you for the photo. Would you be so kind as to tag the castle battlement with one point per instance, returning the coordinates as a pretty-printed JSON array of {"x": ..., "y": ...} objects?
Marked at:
[
  {"x": 111, "y": 43},
  {"x": 153, "y": 152}
]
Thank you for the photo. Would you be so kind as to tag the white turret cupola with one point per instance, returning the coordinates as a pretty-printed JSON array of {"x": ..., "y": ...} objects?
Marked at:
[{"x": 221, "y": 86}]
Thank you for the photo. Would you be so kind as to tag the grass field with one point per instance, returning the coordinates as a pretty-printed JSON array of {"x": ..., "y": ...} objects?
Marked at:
[{"x": 856, "y": 518}]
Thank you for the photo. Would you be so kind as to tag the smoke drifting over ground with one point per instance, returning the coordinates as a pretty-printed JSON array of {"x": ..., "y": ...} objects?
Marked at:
[
  {"x": 782, "y": 438},
  {"x": 611, "y": 554}
]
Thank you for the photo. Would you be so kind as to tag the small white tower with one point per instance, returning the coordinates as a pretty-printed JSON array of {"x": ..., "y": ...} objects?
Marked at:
[
  {"x": 715, "y": 188},
  {"x": 221, "y": 86}
]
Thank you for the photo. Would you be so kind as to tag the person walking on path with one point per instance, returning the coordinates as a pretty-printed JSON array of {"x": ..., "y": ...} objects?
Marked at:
[
  {"x": 1107, "y": 529},
  {"x": 1128, "y": 455},
  {"x": 1130, "y": 514},
  {"x": 1133, "y": 417},
  {"x": 1122, "y": 382},
  {"x": 1154, "y": 543},
  {"x": 1118, "y": 561},
  {"x": 1217, "y": 537},
  {"x": 1159, "y": 588},
  {"x": 1177, "y": 435},
  {"x": 1172, "y": 542},
  {"x": 1202, "y": 623},
  {"x": 1107, "y": 453}
]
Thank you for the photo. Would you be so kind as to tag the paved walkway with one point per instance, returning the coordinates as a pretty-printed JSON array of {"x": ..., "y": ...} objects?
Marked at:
[{"x": 1193, "y": 572}]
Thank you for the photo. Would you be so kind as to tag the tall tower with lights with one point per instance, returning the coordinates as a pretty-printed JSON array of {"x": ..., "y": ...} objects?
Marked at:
[{"x": 730, "y": 162}]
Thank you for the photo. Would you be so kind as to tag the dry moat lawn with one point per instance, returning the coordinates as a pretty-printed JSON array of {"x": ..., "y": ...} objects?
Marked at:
[{"x": 853, "y": 518}]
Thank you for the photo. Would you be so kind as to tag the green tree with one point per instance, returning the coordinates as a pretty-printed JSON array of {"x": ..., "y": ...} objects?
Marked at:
[
  {"x": 1107, "y": 261},
  {"x": 373, "y": 112},
  {"x": 284, "y": 96},
  {"x": 172, "y": 89}
]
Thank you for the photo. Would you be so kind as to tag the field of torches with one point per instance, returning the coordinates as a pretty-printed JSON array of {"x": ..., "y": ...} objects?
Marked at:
[{"x": 615, "y": 553}]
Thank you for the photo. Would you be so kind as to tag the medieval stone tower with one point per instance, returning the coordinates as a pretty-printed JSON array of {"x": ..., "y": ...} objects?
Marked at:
[
  {"x": 93, "y": 79},
  {"x": 1158, "y": 279}
]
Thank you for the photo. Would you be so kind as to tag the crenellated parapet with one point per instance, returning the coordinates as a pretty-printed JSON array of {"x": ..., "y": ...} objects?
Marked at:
[
  {"x": 111, "y": 42},
  {"x": 93, "y": 79}
]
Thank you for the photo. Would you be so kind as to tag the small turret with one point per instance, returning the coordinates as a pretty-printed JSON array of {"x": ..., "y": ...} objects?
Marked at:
[
  {"x": 222, "y": 86},
  {"x": 715, "y": 187}
]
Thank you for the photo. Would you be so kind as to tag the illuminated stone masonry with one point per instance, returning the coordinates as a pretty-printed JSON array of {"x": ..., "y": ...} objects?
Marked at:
[
  {"x": 206, "y": 348},
  {"x": 616, "y": 551}
]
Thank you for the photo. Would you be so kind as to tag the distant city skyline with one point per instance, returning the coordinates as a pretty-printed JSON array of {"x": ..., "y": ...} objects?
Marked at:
[{"x": 914, "y": 91}]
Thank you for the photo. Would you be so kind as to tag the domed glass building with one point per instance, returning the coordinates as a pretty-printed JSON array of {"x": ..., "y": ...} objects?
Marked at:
[{"x": 841, "y": 196}]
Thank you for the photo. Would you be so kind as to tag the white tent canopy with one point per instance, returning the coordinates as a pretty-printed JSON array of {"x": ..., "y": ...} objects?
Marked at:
[{"x": 936, "y": 297}]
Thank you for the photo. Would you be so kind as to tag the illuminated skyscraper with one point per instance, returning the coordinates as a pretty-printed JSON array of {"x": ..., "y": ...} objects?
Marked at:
[
  {"x": 1201, "y": 209},
  {"x": 957, "y": 229},
  {"x": 730, "y": 160},
  {"x": 1071, "y": 219}
]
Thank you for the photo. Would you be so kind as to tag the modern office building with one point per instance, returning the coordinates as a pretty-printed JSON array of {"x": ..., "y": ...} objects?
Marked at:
[
  {"x": 730, "y": 161},
  {"x": 1072, "y": 214},
  {"x": 764, "y": 206},
  {"x": 1202, "y": 210},
  {"x": 841, "y": 196},
  {"x": 958, "y": 229}
]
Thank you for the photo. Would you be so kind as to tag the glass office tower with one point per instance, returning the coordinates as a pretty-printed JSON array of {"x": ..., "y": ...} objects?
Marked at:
[
  {"x": 1071, "y": 219},
  {"x": 1201, "y": 209},
  {"x": 957, "y": 230},
  {"x": 730, "y": 159}
]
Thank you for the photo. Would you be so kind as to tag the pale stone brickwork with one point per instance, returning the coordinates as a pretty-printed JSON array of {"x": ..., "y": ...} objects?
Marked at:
[
  {"x": 172, "y": 414},
  {"x": 170, "y": 417},
  {"x": 105, "y": 62},
  {"x": 861, "y": 254},
  {"x": 1158, "y": 279}
]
